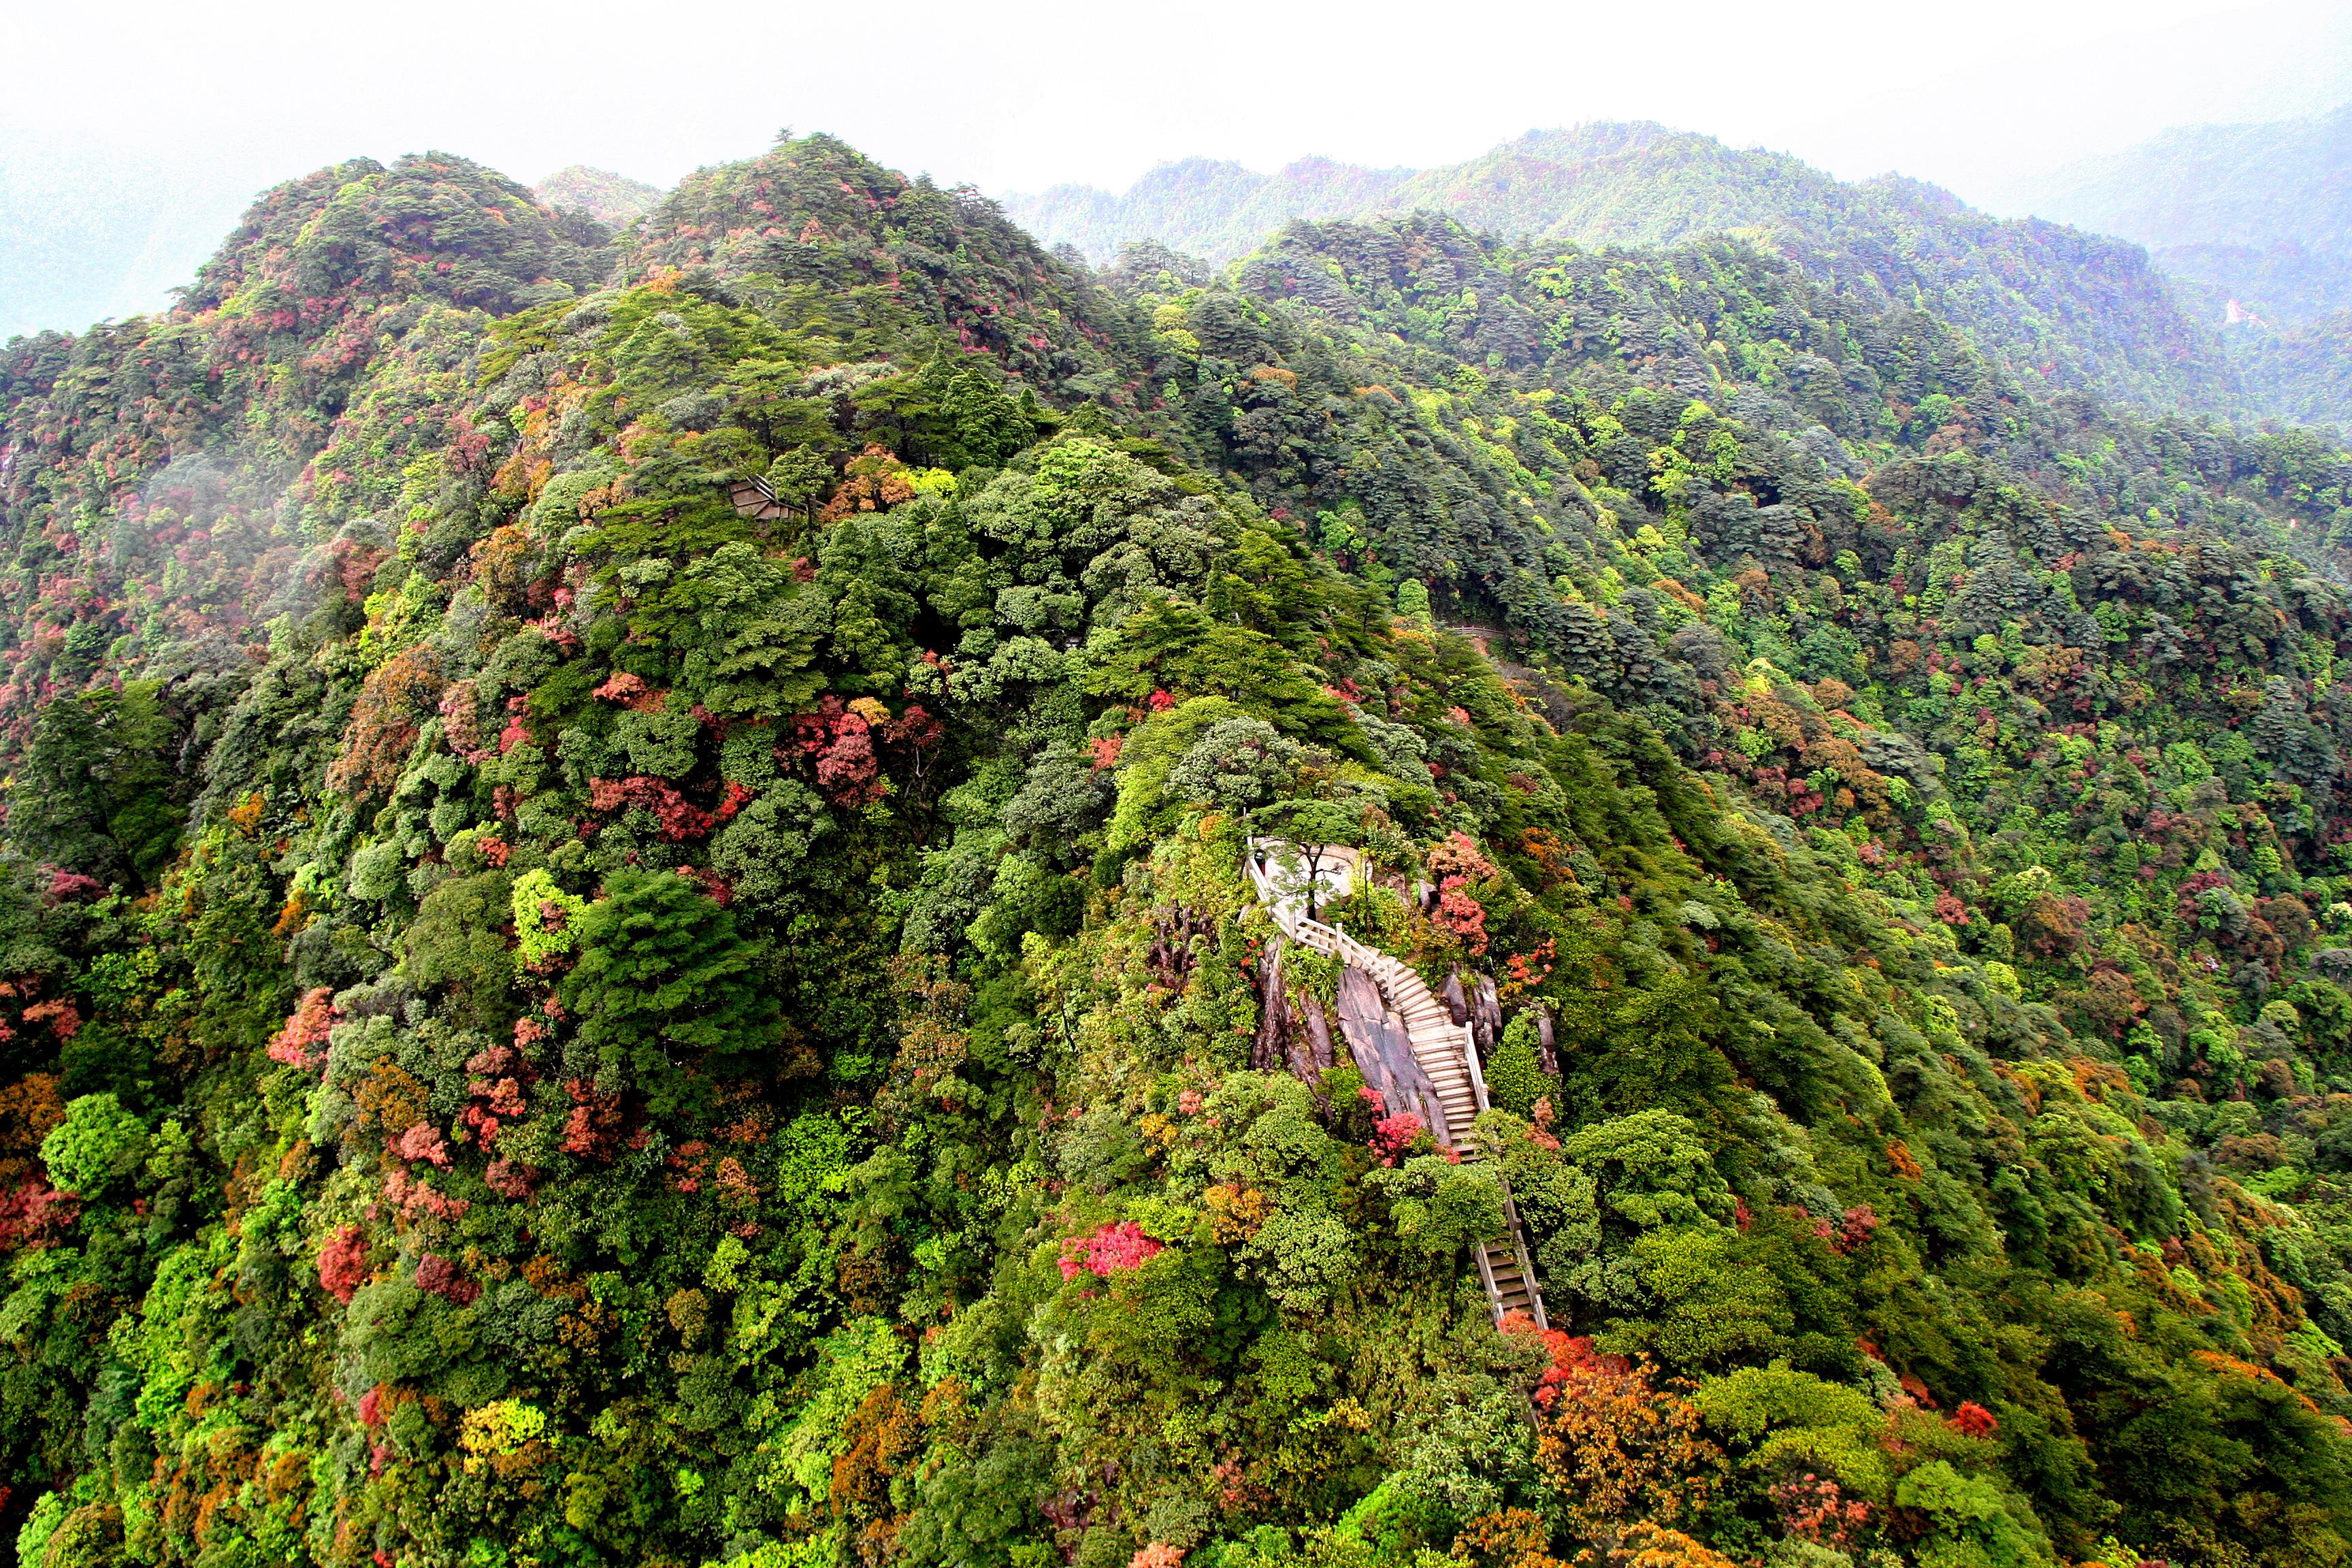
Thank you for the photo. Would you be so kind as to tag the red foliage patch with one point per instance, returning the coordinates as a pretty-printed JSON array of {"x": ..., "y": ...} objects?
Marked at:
[
  {"x": 342, "y": 1263},
  {"x": 679, "y": 818},
  {"x": 1109, "y": 1250},
  {"x": 65, "y": 884},
  {"x": 1571, "y": 1358},
  {"x": 631, "y": 692},
  {"x": 512, "y": 1178},
  {"x": 1861, "y": 1222},
  {"x": 1973, "y": 1420},
  {"x": 461, "y": 722},
  {"x": 1457, "y": 863},
  {"x": 34, "y": 1214},
  {"x": 838, "y": 742},
  {"x": 438, "y": 1276},
  {"x": 302, "y": 1041},
  {"x": 1813, "y": 1508},
  {"x": 61, "y": 1016},
  {"x": 1393, "y": 1135},
  {"x": 422, "y": 1141},
  {"x": 722, "y": 891},
  {"x": 593, "y": 1128}
]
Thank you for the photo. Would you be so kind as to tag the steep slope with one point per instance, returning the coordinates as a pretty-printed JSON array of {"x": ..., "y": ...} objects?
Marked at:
[
  {"x": 614, "y": 1027},
  {"x": 2071, "y": 309}
]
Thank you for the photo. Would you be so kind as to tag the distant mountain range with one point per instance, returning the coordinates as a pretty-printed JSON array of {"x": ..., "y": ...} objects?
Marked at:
[
  {"x": 2072, "y": 308},
  {"x": 2253, "y": 224},
  {"x": 2247, "y": 230},
  {"x": 2259, "y": 213}
]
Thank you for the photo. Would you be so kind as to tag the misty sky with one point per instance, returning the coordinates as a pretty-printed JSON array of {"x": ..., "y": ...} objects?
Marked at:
[{"x": 216, "y": 100}]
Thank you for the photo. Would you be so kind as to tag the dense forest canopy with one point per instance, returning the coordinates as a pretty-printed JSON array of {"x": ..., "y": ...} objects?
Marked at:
[{"x": 628, "y": 938}]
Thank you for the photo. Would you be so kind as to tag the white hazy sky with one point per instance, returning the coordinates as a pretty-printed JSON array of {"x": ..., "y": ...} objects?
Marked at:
[{"x": 1014, "y": 97}]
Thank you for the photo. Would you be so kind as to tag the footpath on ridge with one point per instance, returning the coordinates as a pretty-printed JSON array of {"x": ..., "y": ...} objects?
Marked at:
[{"x": 1409, "y": 1045}]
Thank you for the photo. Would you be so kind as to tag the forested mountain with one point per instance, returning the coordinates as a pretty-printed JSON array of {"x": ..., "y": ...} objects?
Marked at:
[
  {"x": 2074, "y": 310},
  {"x": 628, "y": 938}
]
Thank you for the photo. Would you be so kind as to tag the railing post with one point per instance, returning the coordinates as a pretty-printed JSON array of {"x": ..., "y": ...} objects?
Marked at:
[{"x": 1470, "y": 1055}]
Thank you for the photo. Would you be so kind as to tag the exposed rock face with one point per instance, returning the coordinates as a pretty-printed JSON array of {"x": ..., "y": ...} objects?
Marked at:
[
  {"x": 1317, "y": 1041},
  {"x": 1383, "y": 1053},
  {"x": 1456, "y": 1002},
  {"x": 1272, "y": 1010},
  {"x": 1288, "y": 1034},
  {"x": 1486, "y": 1014}
]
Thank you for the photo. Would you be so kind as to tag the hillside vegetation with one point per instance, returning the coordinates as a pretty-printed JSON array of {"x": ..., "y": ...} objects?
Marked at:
[{"x": 552, "y": 1020}]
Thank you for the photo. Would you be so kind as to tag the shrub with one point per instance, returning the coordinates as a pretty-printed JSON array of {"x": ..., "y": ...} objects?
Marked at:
[{"x": 96, "y": 1145}]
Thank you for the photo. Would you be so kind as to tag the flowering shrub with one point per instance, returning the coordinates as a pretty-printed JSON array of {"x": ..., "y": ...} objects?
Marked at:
[
  {"x": 1973, "y": 1420},
  {"x": 1394, "y": 1136},
  {"x": 302, "y": 1041},
  {"x": 1457, "y": 863},
  {"x": 1108, "y": 1250},
  {"x": 838, "y": 741},
  {"x": 342, "y": 1263}
]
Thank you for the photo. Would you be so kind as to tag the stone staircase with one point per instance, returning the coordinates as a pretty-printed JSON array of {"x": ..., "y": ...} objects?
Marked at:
[{"x": 1446, "y": 1052}]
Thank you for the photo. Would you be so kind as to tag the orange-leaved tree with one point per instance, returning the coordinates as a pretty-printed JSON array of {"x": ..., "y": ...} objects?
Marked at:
[{"x": 1623, "y": 1445}]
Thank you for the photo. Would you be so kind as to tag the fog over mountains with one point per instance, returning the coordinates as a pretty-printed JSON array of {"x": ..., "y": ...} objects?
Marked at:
[{"x": 2259, "y": 212}]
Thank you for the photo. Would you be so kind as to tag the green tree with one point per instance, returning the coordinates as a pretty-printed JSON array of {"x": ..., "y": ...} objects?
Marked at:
[
  {"x": 667, "y": 993},
  {"x": 96, "y": 1145},
  {"x": 94, "y": 793}
]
